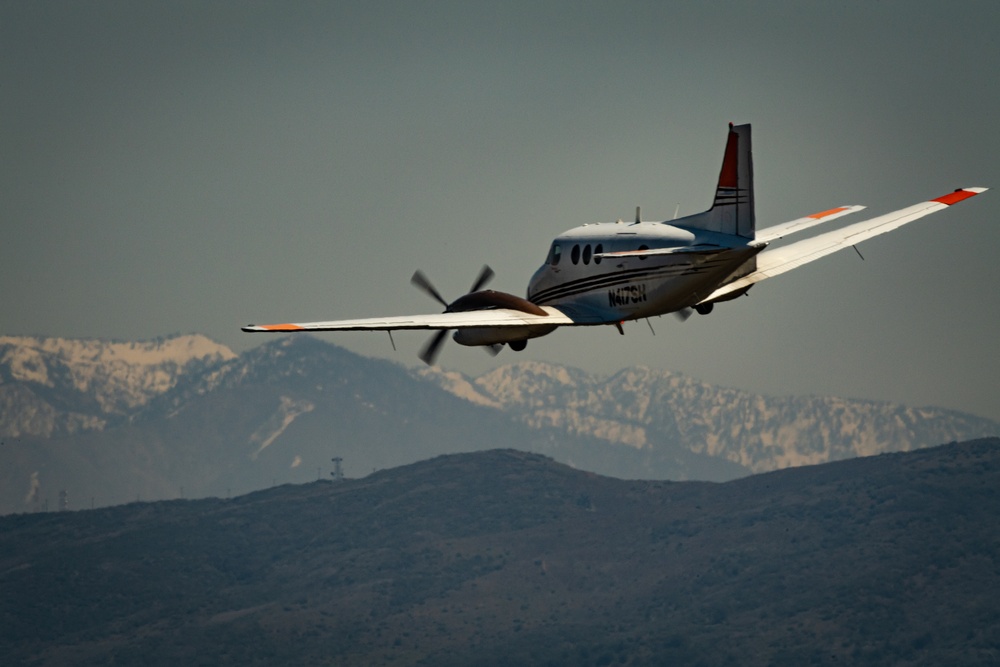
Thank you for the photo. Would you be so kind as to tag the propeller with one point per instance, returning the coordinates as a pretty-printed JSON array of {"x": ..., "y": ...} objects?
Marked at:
[
  {"x": 430, "y": 351},
  {"x": 433, "y": 346},
  {"x": 485, "y": 275},
  {"x": 421, "y": 281},
  {"x": 702, "y": 309}
]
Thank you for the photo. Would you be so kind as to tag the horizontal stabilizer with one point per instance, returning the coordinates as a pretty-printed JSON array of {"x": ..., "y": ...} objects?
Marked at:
[
  {"x": 801, "y": 224},
  {"x": 652, "y": 252}
]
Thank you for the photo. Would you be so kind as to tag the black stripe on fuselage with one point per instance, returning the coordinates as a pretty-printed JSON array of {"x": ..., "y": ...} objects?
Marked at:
[{"x": 594, "y": 283}]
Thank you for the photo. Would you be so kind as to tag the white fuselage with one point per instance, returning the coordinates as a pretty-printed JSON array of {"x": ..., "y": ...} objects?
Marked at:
[{"x": 584, "y": 276}]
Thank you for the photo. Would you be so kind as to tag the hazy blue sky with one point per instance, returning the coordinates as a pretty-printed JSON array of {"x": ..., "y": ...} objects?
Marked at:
[{"x": 191, "y": 167}]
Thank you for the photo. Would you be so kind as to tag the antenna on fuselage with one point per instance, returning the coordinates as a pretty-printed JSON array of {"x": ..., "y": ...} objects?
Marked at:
[
  {"x": 638, "y": 218},
  {"x": 677, "y": 210}
]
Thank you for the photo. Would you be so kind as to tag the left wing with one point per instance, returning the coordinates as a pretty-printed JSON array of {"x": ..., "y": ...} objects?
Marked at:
[
  {"x": 491, "y": 317},
  {"x": 775, "y": 261}
]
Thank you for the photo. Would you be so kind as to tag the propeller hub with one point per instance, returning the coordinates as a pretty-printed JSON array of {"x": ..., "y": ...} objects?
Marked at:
[{"x": 473, "y": 300}]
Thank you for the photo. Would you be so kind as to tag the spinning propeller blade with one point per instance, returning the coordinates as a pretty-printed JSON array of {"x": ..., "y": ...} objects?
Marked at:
[
  {"x": 485, "y": 275},
  {"x": 421, "y": 281},
  {"x": 431, "y": 349},
  {"x": 683, "y": 314}
]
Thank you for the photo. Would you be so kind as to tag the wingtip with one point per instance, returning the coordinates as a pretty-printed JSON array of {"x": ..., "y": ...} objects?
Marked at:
[
  {"x": 254, "y": 328},
  {"x": 961, "y": 194}
]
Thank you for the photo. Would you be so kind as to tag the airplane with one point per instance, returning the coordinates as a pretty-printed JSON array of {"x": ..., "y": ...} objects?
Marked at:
[{"x": 608, "y": 273}]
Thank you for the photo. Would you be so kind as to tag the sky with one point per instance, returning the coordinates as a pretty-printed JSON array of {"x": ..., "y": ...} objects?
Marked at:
[{"x": 190, "y": 167}]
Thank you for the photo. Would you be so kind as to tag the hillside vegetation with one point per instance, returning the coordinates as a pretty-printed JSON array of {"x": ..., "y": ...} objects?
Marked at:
[{"x": 504, "y": 557}]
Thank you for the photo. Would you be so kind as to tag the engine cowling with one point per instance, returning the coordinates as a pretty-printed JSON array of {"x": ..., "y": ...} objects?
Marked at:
[
  {"x": 487, "y": 299},
  {"x": 499, "y": 335}
]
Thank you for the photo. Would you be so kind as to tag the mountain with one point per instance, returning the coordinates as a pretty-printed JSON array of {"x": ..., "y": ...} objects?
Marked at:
[
  {"x": 503, "y": 557},
  {"x": 645, "y": 408},
  {"x": 88, "y": 423},
  {"x": 277, "y": 413},
  {"x": 60, "y": 386}
]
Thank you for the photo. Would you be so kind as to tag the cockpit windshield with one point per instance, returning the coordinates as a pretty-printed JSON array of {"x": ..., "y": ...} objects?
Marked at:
[{"x": 554, "y": 253}]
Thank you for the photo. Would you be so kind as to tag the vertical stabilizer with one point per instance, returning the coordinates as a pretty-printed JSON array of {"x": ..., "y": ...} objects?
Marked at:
[{"x": 732, "y": 209}]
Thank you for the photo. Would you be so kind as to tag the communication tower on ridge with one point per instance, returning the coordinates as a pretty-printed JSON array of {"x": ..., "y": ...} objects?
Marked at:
[{"x": 338, "y": 472}]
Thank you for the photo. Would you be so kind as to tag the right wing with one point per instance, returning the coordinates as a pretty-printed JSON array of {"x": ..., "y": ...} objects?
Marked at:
[{"x": 775, "y": 261}]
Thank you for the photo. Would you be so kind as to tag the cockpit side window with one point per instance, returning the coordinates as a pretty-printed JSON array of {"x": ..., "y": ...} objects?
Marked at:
[
  {"x": 641, "y": 248},
  {"x": 555, "y": 252}
]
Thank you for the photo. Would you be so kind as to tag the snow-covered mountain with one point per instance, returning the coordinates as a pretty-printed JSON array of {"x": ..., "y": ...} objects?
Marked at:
[
  {"x": 647, "y": 409},
  {"x": 108, "y": 422},
  {"x": 275, "y": 414},
  {"x": 57, "y": 386}
]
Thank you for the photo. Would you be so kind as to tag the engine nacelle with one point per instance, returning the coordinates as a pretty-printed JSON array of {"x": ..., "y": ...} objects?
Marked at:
[
  {"x": 498, "y": 335},
  {"x": 487, "y": 299}
]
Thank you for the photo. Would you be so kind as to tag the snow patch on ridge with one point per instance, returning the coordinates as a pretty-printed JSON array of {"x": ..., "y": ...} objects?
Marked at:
[
  {"x": 276, "y": 424},
  {"x": 119, "y": 375}
]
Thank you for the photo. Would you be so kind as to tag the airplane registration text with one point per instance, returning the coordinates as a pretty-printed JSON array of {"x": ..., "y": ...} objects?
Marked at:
[{"x": 623, "y": 296}]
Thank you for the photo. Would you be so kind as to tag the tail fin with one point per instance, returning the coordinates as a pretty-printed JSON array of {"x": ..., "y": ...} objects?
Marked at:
[{"x": 732, "y": 210}]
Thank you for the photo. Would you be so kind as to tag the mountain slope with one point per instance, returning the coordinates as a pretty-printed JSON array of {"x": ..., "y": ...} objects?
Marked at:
[
  {"x": 648, "y": 409},
  {"x": 503, "y": 557},
  {"x": 102, "y": 422},
  {"x": 58, "y": 386},
  {"x": 279, "y": 413}
]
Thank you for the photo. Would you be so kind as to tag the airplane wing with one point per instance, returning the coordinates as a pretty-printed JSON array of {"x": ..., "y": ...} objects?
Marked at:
[
  {"x": 775, "y": 261},
  {"x": 800, "y": 224},
  {"x": 492, "y": 317}
]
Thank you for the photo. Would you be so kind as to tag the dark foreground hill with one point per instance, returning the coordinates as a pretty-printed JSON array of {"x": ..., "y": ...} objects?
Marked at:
[{"x": 508, "y": 558}]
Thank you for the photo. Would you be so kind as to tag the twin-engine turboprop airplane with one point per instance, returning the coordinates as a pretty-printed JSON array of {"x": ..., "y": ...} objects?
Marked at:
[{"x": 611, "y": 272}]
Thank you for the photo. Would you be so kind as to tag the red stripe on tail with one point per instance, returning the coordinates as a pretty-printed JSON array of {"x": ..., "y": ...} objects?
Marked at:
[{"x": 729, "y": 176}]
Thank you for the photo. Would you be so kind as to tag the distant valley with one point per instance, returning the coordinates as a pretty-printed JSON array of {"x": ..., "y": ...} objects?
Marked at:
[{"x": 90, "y": 423}]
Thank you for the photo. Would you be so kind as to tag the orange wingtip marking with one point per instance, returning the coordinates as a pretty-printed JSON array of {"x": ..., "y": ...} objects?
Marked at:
[
  {"x": 281, "y": 327},
  {"x": 955, "y": 197},
  {"x": 823, "y": 214}
]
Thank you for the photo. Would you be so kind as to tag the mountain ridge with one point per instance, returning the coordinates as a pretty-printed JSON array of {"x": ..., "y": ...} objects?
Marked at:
[
  {"x": 505, "y": 557},
  {"x": 190, "y": 418},
  {"x": 93, "y": 382},
  {"x": 640, "y": 406}
]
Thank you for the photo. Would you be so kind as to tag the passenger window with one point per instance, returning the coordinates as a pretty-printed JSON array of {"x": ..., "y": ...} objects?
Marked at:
[
  {"x": 554, "y": 254},
  {"x": 597, "y": 253},
  {"x": 643, "y": 247},
  {"x": 575, "y": 254},
  {"x": 586, "y": 254}
]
